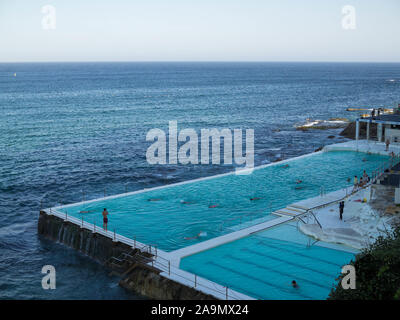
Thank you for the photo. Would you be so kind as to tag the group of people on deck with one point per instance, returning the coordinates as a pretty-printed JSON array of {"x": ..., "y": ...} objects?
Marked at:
[{"x": 364, "y": 179}]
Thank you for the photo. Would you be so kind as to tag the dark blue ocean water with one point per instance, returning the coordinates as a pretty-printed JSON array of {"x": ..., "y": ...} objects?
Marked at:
[{"x": 73, "y": 128}]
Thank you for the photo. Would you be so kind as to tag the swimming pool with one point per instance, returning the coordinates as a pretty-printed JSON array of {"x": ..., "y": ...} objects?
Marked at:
[
  {"x": 209, "y": 205},
  {"x": 263, "y": 265}
]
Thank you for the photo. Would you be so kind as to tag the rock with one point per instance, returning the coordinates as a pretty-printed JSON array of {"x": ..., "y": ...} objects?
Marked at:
[{"x": 350, "y": 131}]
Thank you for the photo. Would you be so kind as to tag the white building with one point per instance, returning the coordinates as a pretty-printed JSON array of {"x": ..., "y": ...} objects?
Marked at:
[{"x": 388, "y": 127}]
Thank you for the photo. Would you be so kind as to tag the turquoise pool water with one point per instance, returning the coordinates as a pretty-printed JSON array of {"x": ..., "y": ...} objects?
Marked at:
[
  {"x": 263, "y": 265},
  {"x": 184, "y": 210}
]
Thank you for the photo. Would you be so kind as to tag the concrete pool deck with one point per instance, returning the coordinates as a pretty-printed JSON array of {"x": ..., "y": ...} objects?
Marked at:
[{"x": 167, "y": 261}]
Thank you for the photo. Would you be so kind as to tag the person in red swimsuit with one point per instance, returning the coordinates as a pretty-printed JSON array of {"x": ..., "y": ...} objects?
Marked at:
[{"x": 105, "y": 219}]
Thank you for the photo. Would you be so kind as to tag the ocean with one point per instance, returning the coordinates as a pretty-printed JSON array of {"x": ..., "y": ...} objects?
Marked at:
[{"x": 76, "y": 130}]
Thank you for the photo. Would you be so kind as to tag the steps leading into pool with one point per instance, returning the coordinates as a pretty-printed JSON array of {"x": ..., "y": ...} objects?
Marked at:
[{"x": 292, "y": 210}]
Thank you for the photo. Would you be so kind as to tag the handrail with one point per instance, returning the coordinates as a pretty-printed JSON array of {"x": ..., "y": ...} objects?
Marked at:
[
  {"x": 385, "y": 166},
  {"x": 222, "y": 291}
]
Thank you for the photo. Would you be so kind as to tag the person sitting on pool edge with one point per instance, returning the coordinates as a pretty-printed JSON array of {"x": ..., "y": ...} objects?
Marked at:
[{"x": 105, "y": 219}]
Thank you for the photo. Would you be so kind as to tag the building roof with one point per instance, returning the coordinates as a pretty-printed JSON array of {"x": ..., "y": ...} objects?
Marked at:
[{"x": 383, "y": 118}]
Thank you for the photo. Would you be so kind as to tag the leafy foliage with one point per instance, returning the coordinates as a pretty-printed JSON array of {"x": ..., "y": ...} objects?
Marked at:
[{"x": 377, "y": 271}]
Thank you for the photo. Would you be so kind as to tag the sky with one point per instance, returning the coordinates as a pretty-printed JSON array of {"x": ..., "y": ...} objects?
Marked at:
[{"x": 199, "y": 30}]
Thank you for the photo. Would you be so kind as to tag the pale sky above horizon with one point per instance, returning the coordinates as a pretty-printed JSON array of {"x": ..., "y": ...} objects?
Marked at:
[{"x": 200, "y": 30}]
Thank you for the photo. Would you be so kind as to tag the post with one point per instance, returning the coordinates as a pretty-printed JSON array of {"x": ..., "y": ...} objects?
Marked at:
[
  {"x": 66, "y": 215},
  {"x": 357, "y": 130},
  {"x": 195, "y": 280},
  {"x": 368, "y": 131},
  {"x": 169, "y": 267},
  {"x": 82, "y": 221},
  {"x": 379, "y": 129},
  {"x": 226, "y": 293},
  {"x": 94, "y": 226},
  {"x": 134, "y": 242}
]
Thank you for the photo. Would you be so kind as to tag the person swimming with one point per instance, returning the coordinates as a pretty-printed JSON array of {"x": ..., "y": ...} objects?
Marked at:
[
  {"x": 153, "y": 199},
  {"x": 298, "y": 181},
  {"x": 285, "y": 166},
  {"x": 255, "y": 198},
  {"x": 200, "y": 234},
  {"x": 213, "y": 205},
  {"x": 86, "y": 211},
  {"x": 294, "y": 284},
  {"x": 187, "y": 202}
]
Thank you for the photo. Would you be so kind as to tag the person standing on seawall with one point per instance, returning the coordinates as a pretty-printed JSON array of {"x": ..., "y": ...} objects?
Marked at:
[
  {"x": 387, "y": 144},
  {"x": 105, "y": 219},
  {"x": 341, "y": 207}
]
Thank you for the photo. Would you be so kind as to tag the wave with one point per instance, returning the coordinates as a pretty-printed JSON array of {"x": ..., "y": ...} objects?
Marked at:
[{"x": 332, "y": 123}]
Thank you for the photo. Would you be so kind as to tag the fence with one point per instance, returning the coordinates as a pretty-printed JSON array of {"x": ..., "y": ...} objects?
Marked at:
[{"x": 158, "y": 262}]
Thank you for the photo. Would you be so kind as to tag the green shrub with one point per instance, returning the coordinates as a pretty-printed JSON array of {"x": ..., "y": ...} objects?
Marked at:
[{"x": 377, "y": 271}]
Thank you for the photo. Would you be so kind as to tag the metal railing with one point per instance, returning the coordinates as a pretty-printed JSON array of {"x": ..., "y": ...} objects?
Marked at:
[
  {"x": 375, "y": 175},
  {"x": 157, "y": 261},
  {"x": 194, "y": 280}
]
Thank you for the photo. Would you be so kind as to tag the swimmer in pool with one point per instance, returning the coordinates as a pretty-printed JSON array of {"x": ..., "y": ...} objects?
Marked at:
[
  {"x": 187, "y": 202},
  {"x": 255, "y": 198},
  {"x": 299, "y": 181},
  {"x": 200, "y": 234},
  {"x": 86, "y": 211},
  {"x": 213, "y": 205},
  {"x": 285, "y": 166},
  {"x": 153, "y": 199},
  {"x": 294, "y": 284}
]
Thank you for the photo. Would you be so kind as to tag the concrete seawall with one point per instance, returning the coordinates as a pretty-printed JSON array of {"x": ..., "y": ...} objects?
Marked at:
[{"x": 141, "y": 278}]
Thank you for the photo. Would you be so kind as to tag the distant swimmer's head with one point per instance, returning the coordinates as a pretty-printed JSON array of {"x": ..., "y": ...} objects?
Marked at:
[
  {"x": 254, "y": 198},
  {"x": 294, "y": 284},
  {"x": 213, "y": 205},
  {"x": 186, "y": 202}
]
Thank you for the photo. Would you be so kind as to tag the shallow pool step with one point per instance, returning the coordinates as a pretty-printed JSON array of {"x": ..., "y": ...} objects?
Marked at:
[
  {"x": 299, "y": 207},
  {"x": 286, "y": 213},
  {"x": 299, "y": 210}
]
